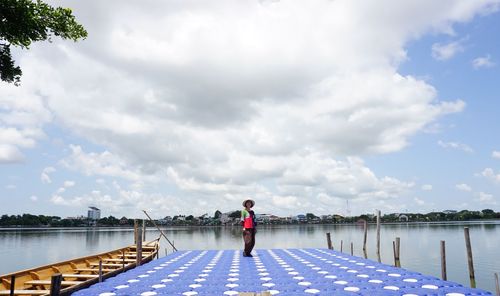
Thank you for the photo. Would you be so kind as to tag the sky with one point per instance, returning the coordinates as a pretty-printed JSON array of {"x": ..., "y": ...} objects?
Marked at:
[{"x": 187, "y": 107}]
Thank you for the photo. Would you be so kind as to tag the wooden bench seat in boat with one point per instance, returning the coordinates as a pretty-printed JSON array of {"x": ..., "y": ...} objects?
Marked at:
[
  {"x": 47, "y": 282},
  {"x": 132, "y": 254},
  {"x": 96, "y": 270},
  {"x": 144, "y": 248},
  {"x": 26, "y": 292},
  {"x": 106, "y": 264},
  {"x": 132, "y": 257},
  {"x": 80, "y": 276},
  {"x": 118, "y": 260}
]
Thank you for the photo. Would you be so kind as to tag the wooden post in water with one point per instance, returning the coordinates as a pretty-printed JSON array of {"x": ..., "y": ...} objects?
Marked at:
[
  {"x": 469, "y": 258},
  {"x": 341, "y": 245},
  {"x": 394, "y": 252},
  {"x": 378, "y": 236},
  {"x": 364, "y": 239},
  {"x": 398, "y": 248},
  {"x": 329, "y": 241},
  {"x": 352, "y": 249},
  {"x": 135, "y": 231},
  {"x": 443, "y": 261},
  {"x": 497, "y": 285},
  {"x": 365, "y": 234},
  {"x": 143, "y": 230},
  {"x": 100, "y": 270},
  {"x": 123, "y": 259},
  {"x": 55, "y": 284},
  {"x": 138, "y": 248},
  {"x": 12, "y": 284}
]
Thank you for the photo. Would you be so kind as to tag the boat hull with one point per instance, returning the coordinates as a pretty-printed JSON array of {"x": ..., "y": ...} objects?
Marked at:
[{"x": 76, "y": 273}]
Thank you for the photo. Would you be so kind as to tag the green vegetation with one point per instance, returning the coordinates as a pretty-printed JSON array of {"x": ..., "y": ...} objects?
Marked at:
[
  {"x": 464, "y": 215},
  {"x": 233, "y": 218},
  {"x": 25, "y": 21},
  {"x": 28, "y": 220}
]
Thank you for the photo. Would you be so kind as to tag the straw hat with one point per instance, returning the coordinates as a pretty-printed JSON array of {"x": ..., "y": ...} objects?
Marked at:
[{"x": 253, "y": 202}]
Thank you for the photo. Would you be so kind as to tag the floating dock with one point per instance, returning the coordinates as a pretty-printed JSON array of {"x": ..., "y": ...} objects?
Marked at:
[{"x": 279, "y": 271}]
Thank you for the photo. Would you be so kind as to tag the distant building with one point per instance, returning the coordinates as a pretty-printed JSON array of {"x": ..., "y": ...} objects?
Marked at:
[
  {"x": 287, "y": 220},
  {"x": 327, "y": 218},
  {"x": 274, "y": 218},
  {"x": 123, "y": 221},
  {"x": 224, "y": 218},
  {"x": 450, "y": 212},
  {"x": 316, "y": 220},
  {"x": 403, "y": 218},
  {"x": 81, "y": 217},
  {"x": 94, "y": 213},
  {"x": 204, "y": 217},
  {"x": 338, "y": 218},
  {"x": 263, "y": 218},
  {"x": 301, "y": 218}
]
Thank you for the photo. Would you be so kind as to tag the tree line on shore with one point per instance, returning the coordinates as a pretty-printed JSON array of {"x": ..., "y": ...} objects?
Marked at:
[{"x": 29, "y": 220}]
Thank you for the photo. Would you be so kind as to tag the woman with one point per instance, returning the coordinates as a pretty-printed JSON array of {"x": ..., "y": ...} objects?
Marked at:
[{"x": 249, "y": 230}]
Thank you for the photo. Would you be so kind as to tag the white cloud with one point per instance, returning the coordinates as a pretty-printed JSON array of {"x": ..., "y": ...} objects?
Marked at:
[
  {"x": 490, "y": 174},
  {"x": 419, "y": 201},
  {"x": 10, "y": 154},
  {"x": 463, "y": 187},
  {"x": 68, "y": 184},
  {"x": 59, "y": 200},
  {"x": 320, "y": 87},
  {"x": 326, "y": 182},
  {"x": 239, "y": 98},
  {"x": 486, "y": 198},
  {"x": 426, "y": 187},
  {"x": 444, "y": 52},
  {"x": 495, "y": 154},
  {"x": 483, "y": 62},
  {"x": 22, "y": 114},
  {"x": 130, "y": 203},
  {"x": 45, "y": 176},
  {"x": 34, "y": 198},
  {"x": 101, "y": 164},
  {"x": 456, "y": 145}
]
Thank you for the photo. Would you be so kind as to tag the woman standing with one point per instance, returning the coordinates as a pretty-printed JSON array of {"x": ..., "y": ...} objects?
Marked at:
[{"x": 249, "y": 230}]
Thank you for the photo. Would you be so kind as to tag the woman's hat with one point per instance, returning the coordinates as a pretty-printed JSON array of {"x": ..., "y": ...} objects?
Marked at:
[{"x": 249, "y": 200}]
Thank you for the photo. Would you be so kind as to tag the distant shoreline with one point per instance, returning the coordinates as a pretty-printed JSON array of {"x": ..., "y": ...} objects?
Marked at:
[{"x": 128, "y": 227}]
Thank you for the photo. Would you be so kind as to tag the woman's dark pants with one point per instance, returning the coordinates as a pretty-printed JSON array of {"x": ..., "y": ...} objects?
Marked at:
[{"x": 249, "y": 239}]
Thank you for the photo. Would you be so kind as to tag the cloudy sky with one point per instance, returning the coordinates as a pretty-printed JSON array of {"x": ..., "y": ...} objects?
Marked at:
[{"x": 181, "y": 107}]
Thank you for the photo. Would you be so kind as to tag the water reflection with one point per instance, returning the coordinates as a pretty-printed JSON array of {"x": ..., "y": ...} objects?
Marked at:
[{"x": 92, "y": 237}]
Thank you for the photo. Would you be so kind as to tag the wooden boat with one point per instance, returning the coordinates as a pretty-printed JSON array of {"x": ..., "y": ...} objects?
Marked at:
[{"x": 76, "y": 273}]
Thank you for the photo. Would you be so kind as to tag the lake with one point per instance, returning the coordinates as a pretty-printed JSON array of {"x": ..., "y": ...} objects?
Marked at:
[{"x": 26, "y": 248}]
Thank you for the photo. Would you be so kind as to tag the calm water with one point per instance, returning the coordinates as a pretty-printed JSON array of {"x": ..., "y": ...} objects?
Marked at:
[{"x": 25, "y": 248}]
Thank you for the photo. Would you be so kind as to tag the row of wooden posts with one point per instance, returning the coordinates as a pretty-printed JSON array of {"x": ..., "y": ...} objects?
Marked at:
[{"x": 396, "y": 250}]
